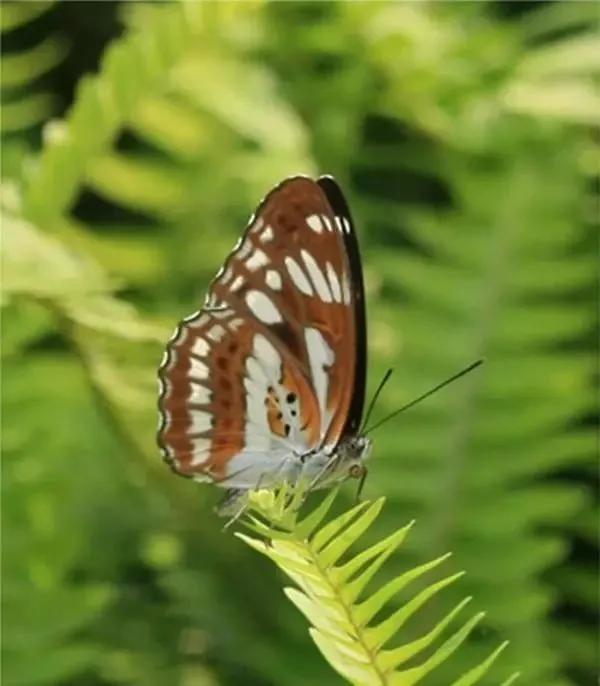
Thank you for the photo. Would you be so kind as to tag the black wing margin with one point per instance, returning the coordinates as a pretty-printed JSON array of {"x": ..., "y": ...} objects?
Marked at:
[{"x": 340, "y": 207}]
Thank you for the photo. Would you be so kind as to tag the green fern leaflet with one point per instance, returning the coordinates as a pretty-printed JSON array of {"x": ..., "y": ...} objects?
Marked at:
[{"x": 331, "y": 591}]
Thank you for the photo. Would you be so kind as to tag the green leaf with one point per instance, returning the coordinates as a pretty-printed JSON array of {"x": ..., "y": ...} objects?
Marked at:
[
  {"x": 324, "y": 535},
  {"x": 475, "y": 674},
  {"x": 332, "y": 552},
  {"x": 21, "y": 68},
  {"x": 390, "y": 659},
  {"x": 442, "y": 653},
  {"x": 13, "y": 14},
  {"x": 380, "y": 634},
  {"x": 342, "y": 628}
]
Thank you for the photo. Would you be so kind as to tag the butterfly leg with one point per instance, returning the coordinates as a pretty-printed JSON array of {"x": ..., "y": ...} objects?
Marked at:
[
  {"x": 234, "y": 500},
  {"x": 321, "y": 473}
]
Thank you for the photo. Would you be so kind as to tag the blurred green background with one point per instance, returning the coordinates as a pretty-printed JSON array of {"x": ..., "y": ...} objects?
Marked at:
[{"x": 137, "y": 139}]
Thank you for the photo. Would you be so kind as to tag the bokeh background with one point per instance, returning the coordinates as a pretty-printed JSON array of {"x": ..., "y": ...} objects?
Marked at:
[{"x": 137, "y": 139}]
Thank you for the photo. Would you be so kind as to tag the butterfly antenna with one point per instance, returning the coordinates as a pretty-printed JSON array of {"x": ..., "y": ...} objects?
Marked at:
[
  {"x": 382, "y": 383},
  {"x": 464, "y": 371}
]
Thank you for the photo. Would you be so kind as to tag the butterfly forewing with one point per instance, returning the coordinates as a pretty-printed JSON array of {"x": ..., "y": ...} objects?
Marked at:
[{"x": 273, "y": 367}]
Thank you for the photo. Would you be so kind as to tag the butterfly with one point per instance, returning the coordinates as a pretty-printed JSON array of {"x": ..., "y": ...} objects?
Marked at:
[{"x": 266, "y": 383}]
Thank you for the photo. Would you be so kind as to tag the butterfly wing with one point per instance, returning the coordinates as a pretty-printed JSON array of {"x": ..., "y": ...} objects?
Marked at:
[{"x": 273, "y": 366}]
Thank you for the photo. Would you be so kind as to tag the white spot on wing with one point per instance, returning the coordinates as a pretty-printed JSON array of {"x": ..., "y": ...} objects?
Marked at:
[
  {"x": 346, "y": 295},
  {"x": 258, "y": 259},
  {"x": 338, "y": 223},
  {"x": 327, "y": 223},
  {"x": 263, "y": 307},
  {"x": 320, "y": 356},
  {"x": 198, "y": 370},
  {"x": 200, "y": 444},
  {"x": 267, "y": 235},
  {"x": 334, "y": 283},
  {"x": 346, "y": 224},
  {"x": 235, "y": 324},
  {"x": 315, "y": 223},
  {"x": 298, "y": 276},
  {"x": 200, "y": 347},
  {"x": 216, "y": 333},
  {"x": 238, "y": 282},
  {"x": 317, "y": 276},
  {"x": 273, "y": 279},
  {"x": 200, "y": 422},
  {"x": 199, "y": 395}
]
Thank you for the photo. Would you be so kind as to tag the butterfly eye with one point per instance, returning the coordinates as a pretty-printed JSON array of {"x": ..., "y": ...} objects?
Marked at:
[{"x": 356, "y": 471}]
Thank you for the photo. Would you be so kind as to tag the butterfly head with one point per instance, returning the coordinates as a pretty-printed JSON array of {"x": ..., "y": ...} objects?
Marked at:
[{"x": 351, "y": 455}]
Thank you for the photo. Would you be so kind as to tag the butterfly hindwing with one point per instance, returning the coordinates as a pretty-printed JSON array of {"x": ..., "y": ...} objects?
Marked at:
[
  {"x": 227, "y": 400},
  {"x": 271, "y": 368}
]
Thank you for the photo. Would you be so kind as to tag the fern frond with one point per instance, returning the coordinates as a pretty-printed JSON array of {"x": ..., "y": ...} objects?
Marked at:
[
  {"x": 332, "y": 591},
  {"x": 26, "y": 103},
  {"x": 131, "y": 70}
]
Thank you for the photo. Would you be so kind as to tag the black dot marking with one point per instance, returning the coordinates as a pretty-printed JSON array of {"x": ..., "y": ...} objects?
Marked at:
[
  {"x": 270, "y": 389},
  {"x": 286, "y": 428},
  {"x": 222, "y": 363},
  {"x": 290, "y": 397},
  {"x": 294, "y": 413},
  {"x": 279, "y": 415},
  {"x": 233, "y": 347}
]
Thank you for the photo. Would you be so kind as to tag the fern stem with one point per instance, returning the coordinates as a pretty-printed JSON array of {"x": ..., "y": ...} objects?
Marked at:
[{"x": 347, "y": 611}]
